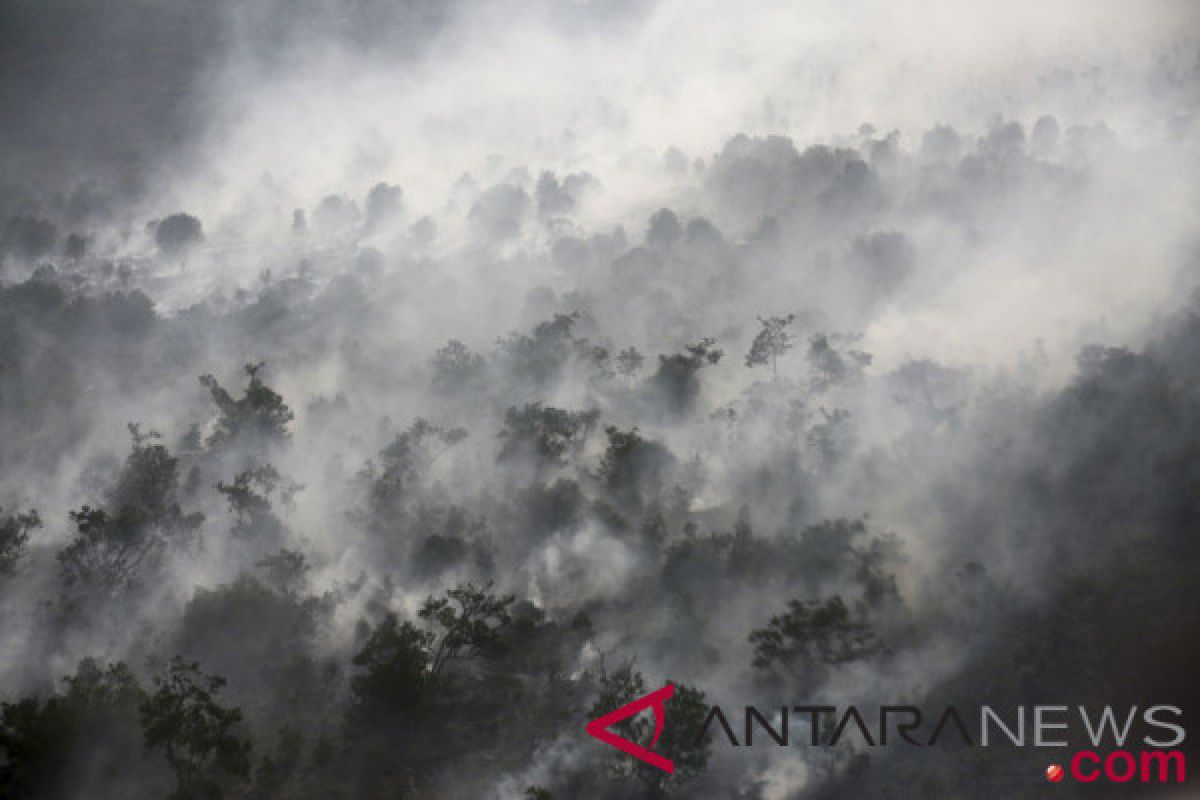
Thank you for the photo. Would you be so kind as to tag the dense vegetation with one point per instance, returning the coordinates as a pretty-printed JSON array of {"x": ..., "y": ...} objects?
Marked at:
[{"x": 276, "y": 539}]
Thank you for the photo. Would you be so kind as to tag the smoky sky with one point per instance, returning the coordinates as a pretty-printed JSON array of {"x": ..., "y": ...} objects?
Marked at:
[
  {"x": 112, "y": 91},
  {"x": 116, "y": 90}
]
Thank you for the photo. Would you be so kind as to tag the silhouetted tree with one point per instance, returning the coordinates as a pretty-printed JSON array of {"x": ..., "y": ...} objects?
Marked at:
[
  {"x": 14, "y": 536},
  {"x": 541, "y": 356},
  {"x": 202, "y": 739},
  {"x": 249, "y": 497},
  {"x": 544, "y": 433},
  {"x": 395, "y": 669},
  {"x": 258, "y": 415},
  {"x": 286, "y": 570},
  {"x": 809, "y": 636},
  {"x": 455, "y": 367},
  {"x": 88, "y": 729},
  {"x": 403, "y": 464},
  {"x": 770, "y": 343},
  {"x": 177, "y": 233},
  {"x": 629, "y": 362},
  {"x": 676, "y": 381},
  {"x": 110, "y": 547},
  {"x": 470, "y": 622},
  {"x": 831, "y": 363},
  {"x": 633, "y": 468},
  {"x": 401, "y": 662}
]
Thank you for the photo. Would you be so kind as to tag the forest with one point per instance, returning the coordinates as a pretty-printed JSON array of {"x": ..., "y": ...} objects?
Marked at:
[{"x": 380, "y": 474}]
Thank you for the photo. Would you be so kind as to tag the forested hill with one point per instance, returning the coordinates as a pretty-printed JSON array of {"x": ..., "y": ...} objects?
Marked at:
[{"x": 389, "y": 390}]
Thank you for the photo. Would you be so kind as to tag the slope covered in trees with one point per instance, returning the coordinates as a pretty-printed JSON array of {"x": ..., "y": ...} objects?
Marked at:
[{"x": 313, "y": 485}]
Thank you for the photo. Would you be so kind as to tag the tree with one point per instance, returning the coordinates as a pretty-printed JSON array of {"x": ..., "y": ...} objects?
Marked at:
[
  {"x": 629, "y": 362},
  {"x": 201, "y": 738},
  {"x": 253, "y": 508},
  {"x": 676, "y": 381},
  {"x": 14, "y": 536},
  {"x": 107, "y": 551},
  {"x": 833, "y": 438},
  {"x": 402, "y": 662},
  {"x": 247, "y": 631},
  {"x": 832, "y": 363},
  {"x": 395, "y": 670},
  {"x": 540, "y": 357},
  {"x": 148, "y": 485},
  {"x": 177, "y": 233},
  {"x": 664, "y": 229},
  {"x": 770, "y": 343},
  {"x": 696, "y": 566},
  {"x": 404, "y": 463},
  {"x": 633, "y": 468},
  {"x": 544, "y": 432},
  {"x": 90, "y": 727},
  {"x": 384, "y": 205},
  {"x": 455, "y": 367},
  {"x": 417, "y": 448},
  {"x": 823, "y": 551},
  {"x": 259, "y": 414},
  {"x": 810, "y": 636},
  {"x": 597, "y": 356},
  {"x": 876, "y": 561},
  {"x": 472, "y": 621},
  {"x": 286, "y": 571},
  {"x": 111, "y": 547}
]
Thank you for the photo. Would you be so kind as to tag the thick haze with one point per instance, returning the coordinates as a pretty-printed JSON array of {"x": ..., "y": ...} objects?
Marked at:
[
  {"x": 240, "y": 115},
  {"x": 983, "y": 217}
]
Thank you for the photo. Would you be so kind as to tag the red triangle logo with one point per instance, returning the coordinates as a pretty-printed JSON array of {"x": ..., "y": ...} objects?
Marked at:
[{"x": 599, "y": 727}]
